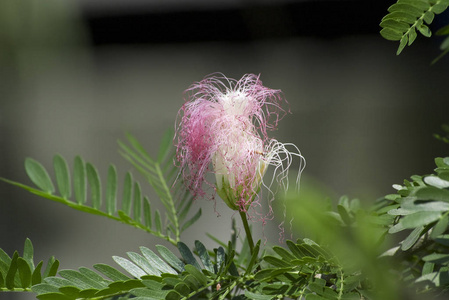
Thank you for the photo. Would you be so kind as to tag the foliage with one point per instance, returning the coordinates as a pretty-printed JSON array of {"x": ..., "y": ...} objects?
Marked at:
[
  {"x": 344, "y": 261},
  {"x": 421, "y": 208},
  {"x": 135, "y": 208},
  {"x": 152, "y": 276},
  {"x": 304, "y": 269},
  {"x": 406, "y": 17},
  {"x": 19, "y": 273}
]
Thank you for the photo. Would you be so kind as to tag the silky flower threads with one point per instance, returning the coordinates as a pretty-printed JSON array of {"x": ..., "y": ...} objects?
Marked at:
[{"x": 223, "y": 130}]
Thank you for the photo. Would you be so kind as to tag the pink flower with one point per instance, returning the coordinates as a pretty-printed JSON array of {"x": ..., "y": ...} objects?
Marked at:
[{"x": 223, "y": 130}]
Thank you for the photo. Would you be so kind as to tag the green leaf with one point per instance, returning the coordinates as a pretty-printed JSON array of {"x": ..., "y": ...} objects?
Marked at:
[
  {"x": 253, "y": 260},
  {"x": 92, "y": 276},
  {"x": 402, "y": 44},
  {"x": 39, "y": 175},
  {"x": 398, "y": 25},
  {"x": 158, "y": 263},
  {"x": 182, "y": 288},
  {"x": 147, "y": 212},
  {"x": 437, "y": 279},
  {"x": 412, "y": 238},
  {"x": 204, "y": 256},
  {"x": 422, "y": 5},
  {"x": 81, "y": 281},
  {"x": 137, "y": 205},
  {"x": 412, "y": 36},
  {"x": 409, "y": 207},
  {"x": 148, "y": 294},
  {"x": 427, "y": 268},
  {"x": 439, "y": 8},
  {"x": 445, "y": 174},
  {"x": 425, "y": 31},
  {"x": 173, "y": 295},
  {"x": 58, "y": 281},
  {"x": 440, "y": 162},
  {"x": 4, "y": 257},
  {"x": 54, "y": 296},
  {"x": 71, "y": 291},
  {"x": 95, "y": 185},
  {"x": 79, "y": 180},
  {"x": 52, "y": 267},
  {"x": 28, "y": 253},
  {"x": 396, "y": 228},
  {"x": 411, "y": 10},
  {"x": 436, "y": 181},
  {"x": 254, "y": 296},
  {"x": 170, "y": 258},
  {"x": 62, "y": 176},
  {"x": 44, "y": 288},
  {"x": 420, "y": 218},
  {"x": 24, "y": 272},
  {"x": 127, "y": 194},
  {"x": 195, "y": 272},
  {"x": 10, "y": 276},
  {"x": 187, "y": 255},
  {"x": 143, "y": 263},
  {"x": 428, "y": 17},
  {"x": 220, "y": 259},
  {"x": 2, "y": 279},
  {"x": 287, "y": 256},
  {"x": 130, "y": 267},
  {"x": 111, "y": 190},
  {"x": 437, "y": 258},
  {"x": 36, "y": 277},
  {"x": 432, "y": 193},
  {"x": 440, "y": 227},
  {"x": 400, "y": 16},
  {"x": 294, "y": 249},
  {"x": 276, "y": 261},
  {"x": 110, "y": 272},
  {"x": 171, "y": 281},
  {"x": 158, "y": 221}
]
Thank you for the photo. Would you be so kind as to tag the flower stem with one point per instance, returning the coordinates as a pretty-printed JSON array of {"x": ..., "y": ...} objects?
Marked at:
[{"x": 249, "y": 236}]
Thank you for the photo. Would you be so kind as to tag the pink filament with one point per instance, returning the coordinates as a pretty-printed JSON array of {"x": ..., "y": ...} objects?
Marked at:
[{"x": 227, "y": 119}]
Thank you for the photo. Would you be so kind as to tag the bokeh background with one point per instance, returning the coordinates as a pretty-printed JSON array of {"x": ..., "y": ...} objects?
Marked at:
[{"x": 76, "y": 75}]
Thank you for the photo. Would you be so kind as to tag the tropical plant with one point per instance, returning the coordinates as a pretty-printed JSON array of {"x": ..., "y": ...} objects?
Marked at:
[
  {"x": 347, "y": 252},
  {"x": 301, "y": 268}
]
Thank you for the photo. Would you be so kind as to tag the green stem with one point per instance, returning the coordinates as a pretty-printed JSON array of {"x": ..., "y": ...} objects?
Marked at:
[{"x": 249, "y": 236}]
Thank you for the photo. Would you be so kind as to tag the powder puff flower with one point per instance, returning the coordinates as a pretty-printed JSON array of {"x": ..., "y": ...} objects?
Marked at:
[{"x": 223, "y": 130}]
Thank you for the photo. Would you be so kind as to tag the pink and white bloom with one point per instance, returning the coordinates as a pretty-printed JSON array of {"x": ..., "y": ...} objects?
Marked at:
[{"x": 223, "y": 130}]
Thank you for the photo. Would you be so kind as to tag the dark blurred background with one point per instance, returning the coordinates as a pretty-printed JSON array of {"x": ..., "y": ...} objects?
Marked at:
[{"x": 75, "y": 76}]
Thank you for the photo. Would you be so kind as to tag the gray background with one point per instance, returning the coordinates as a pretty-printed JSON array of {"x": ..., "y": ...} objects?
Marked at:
[{"x": 362, "y": 117}]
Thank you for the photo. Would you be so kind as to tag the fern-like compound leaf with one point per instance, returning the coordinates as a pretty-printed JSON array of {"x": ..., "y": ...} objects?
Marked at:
[
  {"x": 18, "y": 273},
  {"x": 161, "y": 175},
  {"x": 406, "y": 17},
  {"x": 103, "y": 199},
  {"x": 150, "y": 277}
]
